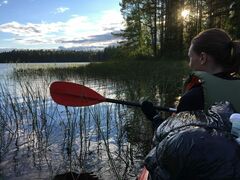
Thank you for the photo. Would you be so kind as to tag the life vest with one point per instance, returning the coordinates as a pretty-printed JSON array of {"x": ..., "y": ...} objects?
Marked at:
[{"x": 216, "y": 89}]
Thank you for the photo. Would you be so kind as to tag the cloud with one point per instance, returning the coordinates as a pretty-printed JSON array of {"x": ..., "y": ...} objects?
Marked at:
[
  {"x": 92, "y": 39},
  {"x": 76, "y": 31},
  {"x": 30, "y": 29},
  {"x": 80, "y": 48},
  {"x": 111, "y": 20},
  {"x": 61, "y": 10},
  {"x": 93, "y": 42},
  {"x": 3, "y": 3}
]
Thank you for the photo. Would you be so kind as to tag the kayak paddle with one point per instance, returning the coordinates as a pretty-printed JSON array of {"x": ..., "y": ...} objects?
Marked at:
[{"x": 73, "y": 94}]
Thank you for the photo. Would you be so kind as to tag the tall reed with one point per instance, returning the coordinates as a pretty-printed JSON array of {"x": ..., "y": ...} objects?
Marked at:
[{"x": 110, "y": 140}]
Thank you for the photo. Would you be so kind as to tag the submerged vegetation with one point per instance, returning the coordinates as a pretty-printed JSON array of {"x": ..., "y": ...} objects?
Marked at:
[
  {"x": 41, "y": 139},
  {"x": 146, "y": 78}
]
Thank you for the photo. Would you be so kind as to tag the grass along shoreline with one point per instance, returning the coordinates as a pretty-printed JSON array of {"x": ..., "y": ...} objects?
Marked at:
[
  {"x": 157, "y": 80},
  {"x": 146, "y": 78},
  {"x": 131, "y": 68}
]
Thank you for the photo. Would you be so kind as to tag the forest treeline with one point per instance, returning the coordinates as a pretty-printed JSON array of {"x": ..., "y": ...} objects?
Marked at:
[
  {"x": 166, "y": 27},
  {"x": 153, "y": 29},
  {"x": 31, "y": 56}
]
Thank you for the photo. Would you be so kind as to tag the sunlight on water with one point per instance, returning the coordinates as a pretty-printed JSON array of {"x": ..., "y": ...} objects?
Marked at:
[{"x": 40, "y": 139}]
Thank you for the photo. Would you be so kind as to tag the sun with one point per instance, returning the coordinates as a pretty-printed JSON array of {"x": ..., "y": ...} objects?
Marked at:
[{"x": 185, "y": 13}]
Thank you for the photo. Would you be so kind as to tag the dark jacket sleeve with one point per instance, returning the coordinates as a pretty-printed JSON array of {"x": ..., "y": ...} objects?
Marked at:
[
  {"x": 196, "y": 154},
  {"x": 193, "y": 146},
  {"x": 192, "y": 100}
]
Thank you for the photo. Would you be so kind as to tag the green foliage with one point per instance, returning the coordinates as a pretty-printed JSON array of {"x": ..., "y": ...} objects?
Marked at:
[
  {"x": 114, "y": 53},
  {"x": 157, "y": 28},
  {"x": 158, "y": 81},
  {"x": 234, "y": 19},
  {"x": 140, "y": 70},
  {"x": 31, "y": 56},
  {"x": 153, "y": 29},
  {"x": 137, "y": 40},
  {"x": 139, "y": 78},
  {"x": 52, "y": 56}
]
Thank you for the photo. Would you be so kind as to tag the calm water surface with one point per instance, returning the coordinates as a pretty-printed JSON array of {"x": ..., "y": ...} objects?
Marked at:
[{"x": 40, "y": 139}]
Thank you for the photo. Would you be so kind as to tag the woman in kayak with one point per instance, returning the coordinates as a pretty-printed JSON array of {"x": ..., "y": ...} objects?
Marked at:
[
  {"x": 214, "y": 52},
  {"x": 199, "y": 145}
]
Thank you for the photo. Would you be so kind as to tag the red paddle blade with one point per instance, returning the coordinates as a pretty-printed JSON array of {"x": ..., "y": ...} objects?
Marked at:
[{"x": 72, "y": 94}]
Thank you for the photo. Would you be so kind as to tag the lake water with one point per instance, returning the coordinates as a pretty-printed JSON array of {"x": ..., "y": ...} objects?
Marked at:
[
  {"x": 40, "y": 139},
  {"x": 7, "y": 68}
]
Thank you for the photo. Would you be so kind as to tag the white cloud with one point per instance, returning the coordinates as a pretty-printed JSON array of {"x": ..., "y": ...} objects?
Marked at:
[
  {"x": 3, "y": 3},
  {"x": 61, "y": 10},
  {"x": 30, "y": 29},
  {"x": 111, "y": 20},
  {"x": 77, "y": 31}
]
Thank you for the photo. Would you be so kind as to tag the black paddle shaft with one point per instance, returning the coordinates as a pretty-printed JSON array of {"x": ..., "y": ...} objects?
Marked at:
[{"x": 139, "y": 105}]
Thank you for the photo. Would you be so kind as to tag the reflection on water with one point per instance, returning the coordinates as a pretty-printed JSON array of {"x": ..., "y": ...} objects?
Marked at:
[{"x": 40, "y": 139}]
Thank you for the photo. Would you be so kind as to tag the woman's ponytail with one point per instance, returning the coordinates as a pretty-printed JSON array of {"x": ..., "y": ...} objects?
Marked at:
[{"x": 217, "y": 43}]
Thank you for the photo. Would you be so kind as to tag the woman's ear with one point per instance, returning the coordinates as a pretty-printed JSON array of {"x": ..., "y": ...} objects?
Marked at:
[{"x": 203, "y": 58}]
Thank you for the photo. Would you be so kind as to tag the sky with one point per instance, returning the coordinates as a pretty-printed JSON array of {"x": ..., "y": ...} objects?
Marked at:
[{"x": 59, "y": 24}]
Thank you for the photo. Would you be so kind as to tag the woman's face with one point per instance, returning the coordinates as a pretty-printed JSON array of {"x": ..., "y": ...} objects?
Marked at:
[{"x": 194, "y": 60}]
